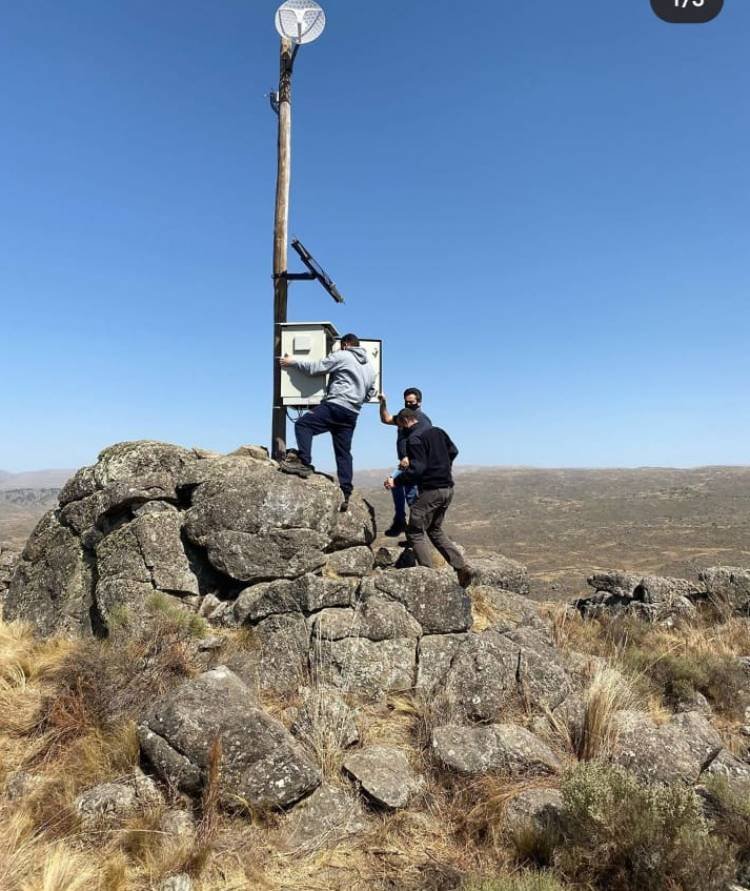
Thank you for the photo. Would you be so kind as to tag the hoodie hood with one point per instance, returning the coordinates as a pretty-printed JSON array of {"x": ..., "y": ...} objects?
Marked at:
[{"x": 359, "y": 353}]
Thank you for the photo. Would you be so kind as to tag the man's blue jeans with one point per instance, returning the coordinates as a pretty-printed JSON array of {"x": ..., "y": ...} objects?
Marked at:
[
  {"x": 340, "y": 423},
  {"x": 403, "y": 495}
]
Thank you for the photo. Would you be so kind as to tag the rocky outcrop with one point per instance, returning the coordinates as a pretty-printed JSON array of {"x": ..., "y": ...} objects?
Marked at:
[
  {"x": 653, "y": 598},
  {"x": 728, "y": 587},
  {"x": 152, "y": 517}
]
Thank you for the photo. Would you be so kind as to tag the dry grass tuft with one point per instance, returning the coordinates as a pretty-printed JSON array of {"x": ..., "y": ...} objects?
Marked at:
[{"x": 608, "y": 693}]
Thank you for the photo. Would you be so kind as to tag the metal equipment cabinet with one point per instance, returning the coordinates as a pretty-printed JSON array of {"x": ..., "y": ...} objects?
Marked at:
[{"x": 313, "y": 341}]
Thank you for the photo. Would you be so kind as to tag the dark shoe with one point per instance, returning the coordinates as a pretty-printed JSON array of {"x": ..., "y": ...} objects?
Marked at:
[
  {"x": 397, "y": 527},
  {"x": 465, "y": 576},
  {"x": 344, "y": 505},
  {"x": 292, "y": 464}
]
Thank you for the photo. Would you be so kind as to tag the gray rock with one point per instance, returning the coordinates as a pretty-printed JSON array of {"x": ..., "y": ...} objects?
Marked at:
[
  {"x": 702, "y": 738},
  {"x": 281, "y": 553},
  {"x": 500, "y": 572},
  {"x": 283, "y": 641},
  {"x": 503, "y": 748},
  {"x": 364, "y": 666},
  {"x": 356, "y": 561},
  {"x": 335, "y": 624},
  {"x": 114, "y": 802},
  {"x": 257, "y": 453},
  {"x": 539, "y": 809},
  {"x": 148, "y": 550},
  {"x": 52, "y": 585},
  {"x": 383, "y": 619},
  {"x": 490, "y": 669},
  {"x": 8, "y": 559},
  {"x": 695, "y": 702},
  {"x": 139, "y": 558},
  {"x": 322, "y": 820},
  {"x": 266, "y": 599},
  {"x": 316, "y": 592},
  {"x": 355, "y": 526},
  {"x": 177, "y": 823},
  {"x": 615, "y": 581},
  {"x": 674, "y": 752},
  {"x": 728, "y": 587},
  {"x": 261, "y": 763},
  {"x": 510, "y": 610},
  {"x": 664, "y": 590},
  {"x": 436, "y": 651},
  {"x": 384, "y": 775},
  {"x": 93, "y": 511},
  {"x": 257, "y": 524},
  {"x": 324, "y": 720},
  {"x": 432, "y": 597}
]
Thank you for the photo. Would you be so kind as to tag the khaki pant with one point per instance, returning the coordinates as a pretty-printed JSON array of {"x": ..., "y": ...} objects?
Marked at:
[{"x": 426, "y": 521}]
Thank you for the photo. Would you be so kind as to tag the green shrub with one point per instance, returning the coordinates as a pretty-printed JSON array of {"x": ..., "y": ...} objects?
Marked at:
[
  {"x": 679, "y": 675},
  {"x": 526, "y": 881},
  {"x": 620, "y": 835},
  {"x": 730, "y": 811}
]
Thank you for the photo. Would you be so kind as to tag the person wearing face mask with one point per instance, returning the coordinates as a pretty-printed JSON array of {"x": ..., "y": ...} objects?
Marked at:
[
  {"x": 408, "y": 494},
  {"x": 351, "y": 382}
]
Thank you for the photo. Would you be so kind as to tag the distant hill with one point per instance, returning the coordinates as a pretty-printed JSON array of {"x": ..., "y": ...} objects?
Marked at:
[{"x": 35, "y": 479}]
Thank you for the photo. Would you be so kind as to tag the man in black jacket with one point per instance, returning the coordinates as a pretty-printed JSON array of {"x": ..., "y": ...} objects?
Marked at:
[{"x": 431, "y": 454}]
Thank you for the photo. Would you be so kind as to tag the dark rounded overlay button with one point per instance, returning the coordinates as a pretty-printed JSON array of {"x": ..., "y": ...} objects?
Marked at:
[{"x": 687, "y": 12}]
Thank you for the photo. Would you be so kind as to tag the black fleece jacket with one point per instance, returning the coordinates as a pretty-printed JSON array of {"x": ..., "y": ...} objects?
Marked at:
[{"x": 431, "y": 454}]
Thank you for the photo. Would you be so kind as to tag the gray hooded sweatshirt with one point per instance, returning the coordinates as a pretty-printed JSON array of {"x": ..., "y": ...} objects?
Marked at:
[{"x": 351, "y": 376}]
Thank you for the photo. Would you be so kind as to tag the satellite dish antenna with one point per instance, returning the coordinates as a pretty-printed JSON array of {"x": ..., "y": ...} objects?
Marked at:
[{"x": 300, "y": 21}]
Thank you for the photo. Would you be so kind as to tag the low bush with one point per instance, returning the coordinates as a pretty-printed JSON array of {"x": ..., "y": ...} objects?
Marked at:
[
  {"x": 619, "y": 835},
  {"x": 525, "y": 881}
]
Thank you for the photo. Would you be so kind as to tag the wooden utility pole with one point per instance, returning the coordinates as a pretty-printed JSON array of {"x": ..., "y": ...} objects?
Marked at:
[{"x": 280, "y": 240}]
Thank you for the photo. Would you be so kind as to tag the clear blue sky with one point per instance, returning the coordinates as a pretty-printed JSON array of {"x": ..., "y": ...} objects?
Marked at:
[{"x": 541, "y": 207}]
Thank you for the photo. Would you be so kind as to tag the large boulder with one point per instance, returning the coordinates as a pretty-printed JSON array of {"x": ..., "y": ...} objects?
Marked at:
[
  {"x": 261, "y": 763},
  {"x": 433, "y": 598},
  {"x": 496, "y": 748},
  {"x": 143, "y": 556},
  {"x": 364, "y": 666},
  {"x": 52, "y": 586},
  {"x": 501, "y": 572},
  {"x": 728, "y": 587},
  {"x": 677, "y": 751},
  {"x": 490, "y": 670},
  {"x": 197, "y": 527}
]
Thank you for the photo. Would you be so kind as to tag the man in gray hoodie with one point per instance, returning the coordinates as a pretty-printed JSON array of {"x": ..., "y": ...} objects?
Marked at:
[{"x": 351, "y": 382}]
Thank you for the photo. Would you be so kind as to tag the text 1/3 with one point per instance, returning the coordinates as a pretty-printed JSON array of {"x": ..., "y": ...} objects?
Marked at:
[{"x": 687, "y": 12}]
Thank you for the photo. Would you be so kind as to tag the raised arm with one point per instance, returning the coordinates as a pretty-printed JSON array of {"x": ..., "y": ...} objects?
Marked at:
[
  {"x": 385, "y": 416},
  {"x": 309, "y": 367}
]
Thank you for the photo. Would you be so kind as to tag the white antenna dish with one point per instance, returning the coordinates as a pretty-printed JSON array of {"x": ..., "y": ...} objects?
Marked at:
[{"x": 301, "y": 21}]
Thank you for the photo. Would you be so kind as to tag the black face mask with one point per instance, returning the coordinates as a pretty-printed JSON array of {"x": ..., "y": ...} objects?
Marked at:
[{"x": 414, "y": 406}]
